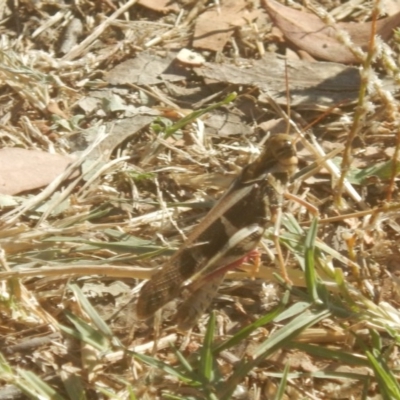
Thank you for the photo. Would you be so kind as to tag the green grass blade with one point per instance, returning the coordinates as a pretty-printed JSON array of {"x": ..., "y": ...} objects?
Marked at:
[
  {"x": 309, "y": 255},
  {"x": 282, "y": 385},
  {"x": 324, "y": 352},
  {"x": 152, "y": 362},
  {"x": 382, "y": 171},
  {"x": 376, "y": 342},
  {"x": 89, "y": 309},
  {"x": 291, "y": 330},
  {"x": 297, "y": 308},
  {"x": 181, "y": 358},
  {"x": 206, "y": 354},
  {"x": 87, "y": 333},
  {"x": 277, "y": 340},
  {"x": 74, "y": 386},
  {"x": 33, "y": 384},
  {"x": 388, "y": 384},
  {"x": 5, "y": 368},
  {"x": 132, "y": 395},
  {"x": 247, "y": 330},
  {"x": 291, "y": 224},
  {"x": 197, "y": 114}
]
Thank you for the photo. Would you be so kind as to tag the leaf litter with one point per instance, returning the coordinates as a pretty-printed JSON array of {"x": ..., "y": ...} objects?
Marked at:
[
  {"x": 101, "y": 89},
  {"x": 308, "y": 32}
]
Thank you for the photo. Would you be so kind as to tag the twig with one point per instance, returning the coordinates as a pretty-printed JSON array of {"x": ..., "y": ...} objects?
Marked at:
[
  {"x": 81, "y": 270},
  {"x": 78, "y": 50},
  {"x": 360, "y": 109},
  {"x": 374, "y": 211},
  {"x": 394, "y": 165}
]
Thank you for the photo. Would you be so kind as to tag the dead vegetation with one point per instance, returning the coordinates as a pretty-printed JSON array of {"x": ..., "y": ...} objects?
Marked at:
[{"x": 113, "y": 147}]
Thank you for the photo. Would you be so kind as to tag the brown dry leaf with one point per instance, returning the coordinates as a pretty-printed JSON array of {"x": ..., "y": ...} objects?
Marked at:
[
  {"x": 312, "y": 85},
  {"x": 163, "y": 6},
  {"x": 310, "y": 33},
  {"x": 147, "y": 69},
  {"x": 119, "y": 131},
  {"x": 273, "y": 126},
  {"x": 226, "y": 123},
  {"x": 22, "y": 170},
  {"x": 215, "y": 26}
]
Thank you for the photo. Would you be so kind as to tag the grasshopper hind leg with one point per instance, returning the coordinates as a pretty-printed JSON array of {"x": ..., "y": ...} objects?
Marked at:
[
  {"x": 194, "y": 307},
  {"x": 163, "y": 287},
  {"x": 197, "y": 303}
]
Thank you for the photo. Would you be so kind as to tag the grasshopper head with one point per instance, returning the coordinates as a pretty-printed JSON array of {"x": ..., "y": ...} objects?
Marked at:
[{"x": 278, "y": 157}]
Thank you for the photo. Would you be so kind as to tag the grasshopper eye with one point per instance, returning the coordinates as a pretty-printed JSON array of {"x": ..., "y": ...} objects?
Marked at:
[{"x": 285, "y": 149}]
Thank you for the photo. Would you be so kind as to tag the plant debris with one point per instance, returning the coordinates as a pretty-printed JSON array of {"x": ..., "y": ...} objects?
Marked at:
[{"x": 115, "y": 144}]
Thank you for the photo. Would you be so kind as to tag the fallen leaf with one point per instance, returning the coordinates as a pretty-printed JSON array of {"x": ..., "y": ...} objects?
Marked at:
[
  {"x": 22, "y": 170},
  {"x": 225, "y": 123},
  {"x": 312, "y": 85},
  {"x": 189, "y": 94},
  {"x": 215, "y": 26},
  {"x": 310, "y": 33},
  {"x": 273, "y": 126},
  {"x": 163, "y": 6},
  {"x": 147, "y": 69},
  {"x": 119, "y": 131}
]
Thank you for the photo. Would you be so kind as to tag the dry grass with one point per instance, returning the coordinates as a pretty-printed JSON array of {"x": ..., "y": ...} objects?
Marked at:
[{"x": 74, "y": 253}]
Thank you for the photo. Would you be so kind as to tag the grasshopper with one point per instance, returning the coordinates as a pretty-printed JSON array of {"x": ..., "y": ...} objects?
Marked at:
[{"x": 227, "y": 235}]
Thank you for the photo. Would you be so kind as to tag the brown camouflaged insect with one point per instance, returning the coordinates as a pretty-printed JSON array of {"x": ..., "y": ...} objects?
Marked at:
[{"x": 226, "y": 236}]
